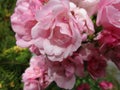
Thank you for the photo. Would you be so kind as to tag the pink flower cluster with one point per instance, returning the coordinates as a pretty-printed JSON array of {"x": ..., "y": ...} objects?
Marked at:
[
  {"x": 55, "y": 28},
  {"x": 57, "y": 33},
  {"x": 109, "y": 37}
]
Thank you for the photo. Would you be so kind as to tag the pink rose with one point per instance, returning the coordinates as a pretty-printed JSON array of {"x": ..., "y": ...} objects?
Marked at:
[
  {"x": 63, "y": 73},
  {"x": 59, "y": 31},
  {"x": 104, "y": 85},
  {"x": 109, "y": 14},
  {"x": 36, "y": 69},
  {"x": 107, "y": 40},
  {"x": 31, "y": 73},
  {"x": 36, "y": 76},
  {"x": 43, "y": 71},
  {"x": 23, "y": 19},
  {"x": 89, "y": 5}
]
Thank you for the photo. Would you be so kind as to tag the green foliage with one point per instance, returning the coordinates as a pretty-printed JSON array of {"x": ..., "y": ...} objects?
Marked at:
[
  {"x": 13, "y": 62},
  {"x": 7, "y": 39}
]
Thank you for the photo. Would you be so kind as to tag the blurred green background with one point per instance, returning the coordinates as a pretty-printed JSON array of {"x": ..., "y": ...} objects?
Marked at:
[{"x": 14, "y": 60}]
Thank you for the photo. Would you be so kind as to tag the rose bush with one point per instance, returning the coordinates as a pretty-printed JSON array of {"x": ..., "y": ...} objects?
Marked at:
[{"x": 64, "y": 42}]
